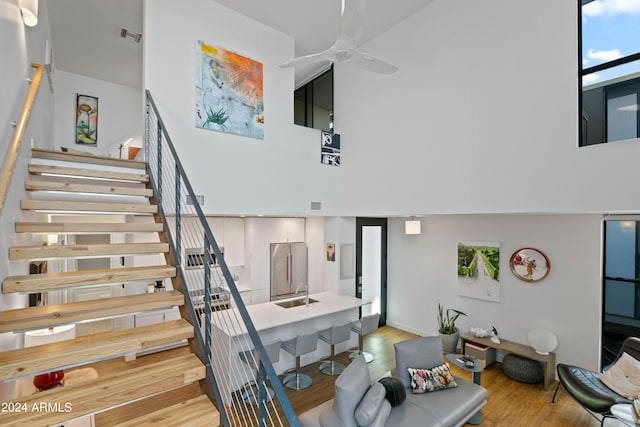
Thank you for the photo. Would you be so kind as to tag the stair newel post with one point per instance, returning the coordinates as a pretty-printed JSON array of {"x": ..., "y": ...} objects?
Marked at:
[
  {"x": 207, "y": 295},
  {"x": 178, "y": 237},
  {"x": 159, "y": 163},
  {"x": 263, "y": 394}
]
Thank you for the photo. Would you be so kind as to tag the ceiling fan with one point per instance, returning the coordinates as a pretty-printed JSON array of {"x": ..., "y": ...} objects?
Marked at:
[{"x": 345, "y": 48}]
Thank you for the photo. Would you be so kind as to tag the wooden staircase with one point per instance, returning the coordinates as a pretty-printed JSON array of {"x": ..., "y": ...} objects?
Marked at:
[{"x": 166, "y": 387}]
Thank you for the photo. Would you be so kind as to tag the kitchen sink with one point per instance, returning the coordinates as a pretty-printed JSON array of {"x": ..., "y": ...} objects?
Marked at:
[{"x": 295, "y": 302}]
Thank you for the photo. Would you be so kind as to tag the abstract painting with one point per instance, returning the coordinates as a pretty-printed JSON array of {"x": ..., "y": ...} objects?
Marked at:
[
  {"x": 330, "y": 149},
  {"x": 479, "y": 270},
  {"x": 229, "y": 94},
  {"x": 86, "y": 120}
]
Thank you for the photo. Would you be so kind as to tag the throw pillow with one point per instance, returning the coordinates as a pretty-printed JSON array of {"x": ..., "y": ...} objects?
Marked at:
[
  {"x": 395, "y": 392},
  {"x": 624, "y": 377},
  {"x": 425, "y": 351},
  {"x": 370, "y": 404},
  {"x": 438, "y": 378}
]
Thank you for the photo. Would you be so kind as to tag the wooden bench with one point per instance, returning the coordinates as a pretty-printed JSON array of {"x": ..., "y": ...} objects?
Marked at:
[{"x": 548, "y": 360}]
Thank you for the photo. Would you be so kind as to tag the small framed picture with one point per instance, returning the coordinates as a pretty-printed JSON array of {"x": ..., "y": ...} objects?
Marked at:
[
  {"x": 529, "y": 264},
  {"x": 331, "y": 252},
  {"x": 86, "y": 120}
]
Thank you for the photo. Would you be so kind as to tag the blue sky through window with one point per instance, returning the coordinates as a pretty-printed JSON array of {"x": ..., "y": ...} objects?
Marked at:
[{"x": 610, "y": 30}]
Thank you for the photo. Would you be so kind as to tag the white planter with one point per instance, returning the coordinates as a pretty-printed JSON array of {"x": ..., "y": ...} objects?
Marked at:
[{"x": 450, "y": 342}]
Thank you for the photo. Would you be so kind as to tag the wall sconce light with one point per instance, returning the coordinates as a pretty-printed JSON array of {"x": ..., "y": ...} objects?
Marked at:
[
  {"x": 412, "y": 226},
  {"x": 29, "y": 9}
]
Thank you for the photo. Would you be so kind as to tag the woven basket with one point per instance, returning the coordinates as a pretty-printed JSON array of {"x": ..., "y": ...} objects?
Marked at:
[{"x": 522, "y": 369}]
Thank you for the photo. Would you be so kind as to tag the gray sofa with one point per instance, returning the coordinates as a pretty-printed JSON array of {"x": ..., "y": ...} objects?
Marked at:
[{"x": 357, "y": 402}]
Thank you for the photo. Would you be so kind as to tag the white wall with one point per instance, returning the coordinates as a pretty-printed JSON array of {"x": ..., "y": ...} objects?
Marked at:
[
  {"x": 279, "y": 175},
  {"x": 120, "y": 114},
  {"x": 422, "y": 273},
  {"x": 481, "y": 117},
  {"x": 19, "y": 47}
]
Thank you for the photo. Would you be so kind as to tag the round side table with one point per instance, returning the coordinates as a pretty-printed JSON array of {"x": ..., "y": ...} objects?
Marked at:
[{"x": 476, "y": 369}]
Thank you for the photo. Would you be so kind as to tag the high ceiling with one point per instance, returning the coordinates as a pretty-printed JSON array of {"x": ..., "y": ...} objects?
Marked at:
[{"x": 86, "y": 33}]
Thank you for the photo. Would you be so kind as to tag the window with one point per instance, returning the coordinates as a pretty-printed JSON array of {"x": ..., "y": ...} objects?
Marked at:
[
  {"x": 313, "y": 103},
  {"x": 621, "y": 285},
  {"x": 609, "y": 33}
]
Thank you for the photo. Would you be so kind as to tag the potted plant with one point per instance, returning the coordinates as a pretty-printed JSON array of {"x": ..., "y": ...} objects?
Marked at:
[{"x": 447, "y": 328}]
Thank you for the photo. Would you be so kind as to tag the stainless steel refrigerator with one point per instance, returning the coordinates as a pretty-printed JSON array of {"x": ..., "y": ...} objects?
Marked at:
[{"x": 288, "y": 269}]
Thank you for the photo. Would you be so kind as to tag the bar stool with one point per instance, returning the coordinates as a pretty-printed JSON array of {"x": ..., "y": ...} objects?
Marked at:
[
  {"x": 302, "y": 344},
  {"x": 363, "y": 327},
  {"x": 253, "y": 356},
  {"x": 334, "y": 335}
]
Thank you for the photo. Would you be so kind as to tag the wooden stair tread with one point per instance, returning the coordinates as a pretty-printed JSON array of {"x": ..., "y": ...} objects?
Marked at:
[
  {"x": 86, "y": 188},
  {"x": 110, "y": 390},
  {"x": 43, "y": 358},
  {"x": 59, "y": 314},
  {"x": 38, "y": 153},
  {"x": 72, "y": 205},
  {"x": 94, "y": 250},
  {"x": 196, "y": 412},
  {"x": 71, "y": 279},
  {"x": 88, "y": 227},
  {"x": 35, "y": 169}
]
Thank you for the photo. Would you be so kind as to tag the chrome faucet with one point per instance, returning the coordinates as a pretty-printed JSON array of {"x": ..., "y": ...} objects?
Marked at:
[{"x": 306, "y": 288}]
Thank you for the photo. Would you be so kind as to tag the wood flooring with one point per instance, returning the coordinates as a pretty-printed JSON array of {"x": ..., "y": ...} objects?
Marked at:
[{"x": 509, "y": 403}]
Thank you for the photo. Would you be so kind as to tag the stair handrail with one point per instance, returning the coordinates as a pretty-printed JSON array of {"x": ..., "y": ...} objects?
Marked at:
[
  {"x": 211, "y": 249},
  {"x": 10, "y": 159}
]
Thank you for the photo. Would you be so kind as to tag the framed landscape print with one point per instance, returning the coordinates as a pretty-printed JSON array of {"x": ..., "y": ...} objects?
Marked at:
[
  {"x": 86, "y": 120},
  {"x": 479, "y": 270}
]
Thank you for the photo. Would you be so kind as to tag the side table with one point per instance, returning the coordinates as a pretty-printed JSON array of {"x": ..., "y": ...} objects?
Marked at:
[{"x": 476, "y": 371}]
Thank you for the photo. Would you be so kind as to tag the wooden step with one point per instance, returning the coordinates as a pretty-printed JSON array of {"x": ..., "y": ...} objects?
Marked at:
[
  {"x": 87, "y": 173},
  {"x": 89, "y": 207},
  {"x": 107, "y": 391},
  {"x": 196, "y": 412},
  {"x": 69, "y": 187},
  {"x": 97, "y": 250},
  {"x": 54, "y": 315},
  {"x": 76, "y": 279},
  {"x": 88, "y": 348},
  {"x": 88, "y": 227},
  {"x": 86, "y": 158}
]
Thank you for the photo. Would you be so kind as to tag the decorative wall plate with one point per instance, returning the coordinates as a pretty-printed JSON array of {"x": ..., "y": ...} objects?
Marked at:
[{"x": 529, "y": 264}]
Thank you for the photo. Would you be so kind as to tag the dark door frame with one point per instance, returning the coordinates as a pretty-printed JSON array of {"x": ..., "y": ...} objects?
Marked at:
[{"x": 364, "y": 222}]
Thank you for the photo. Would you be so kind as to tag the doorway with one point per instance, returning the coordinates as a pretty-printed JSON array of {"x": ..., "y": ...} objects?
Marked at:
[{"x": 371, "y": 265}]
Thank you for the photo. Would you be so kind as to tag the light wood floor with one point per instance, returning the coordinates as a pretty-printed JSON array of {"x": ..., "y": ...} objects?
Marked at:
[{"x": 509, "y": 403}]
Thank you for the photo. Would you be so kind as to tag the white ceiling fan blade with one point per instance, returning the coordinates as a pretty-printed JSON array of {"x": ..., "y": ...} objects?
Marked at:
[
  {"x": 327, "y": 55},
  {"x": 370, "y": 63},
  {"x": 352, "y": 21}
]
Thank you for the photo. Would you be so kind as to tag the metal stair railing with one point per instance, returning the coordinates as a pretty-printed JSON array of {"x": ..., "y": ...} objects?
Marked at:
[{"x": 226, "y": 330}]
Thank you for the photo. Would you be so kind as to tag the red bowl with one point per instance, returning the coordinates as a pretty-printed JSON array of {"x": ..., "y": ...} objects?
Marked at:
[{"x": 48, "y": 380}]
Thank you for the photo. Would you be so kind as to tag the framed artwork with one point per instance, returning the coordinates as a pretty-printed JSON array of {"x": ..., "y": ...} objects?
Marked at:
[
  {"x": 86, "y": 120},
  {"x": 529, "y": 264},
  {"x": 478, "y": 270},
  {"x": 331, "y": 252},
  {"x": 330, "y": 148},
  {"x": 229, "y": 94}
]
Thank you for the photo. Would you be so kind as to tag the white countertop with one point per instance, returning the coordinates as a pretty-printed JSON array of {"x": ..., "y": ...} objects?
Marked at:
[{"x": 269, "y": 315}]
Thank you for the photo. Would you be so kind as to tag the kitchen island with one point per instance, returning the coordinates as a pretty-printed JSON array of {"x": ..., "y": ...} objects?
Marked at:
[{"x": 229, "y": 336}]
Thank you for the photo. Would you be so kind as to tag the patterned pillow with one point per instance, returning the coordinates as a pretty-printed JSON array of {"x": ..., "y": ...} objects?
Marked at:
[{"x": 424, "y": 380}]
